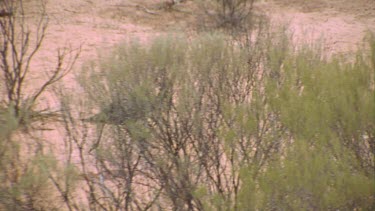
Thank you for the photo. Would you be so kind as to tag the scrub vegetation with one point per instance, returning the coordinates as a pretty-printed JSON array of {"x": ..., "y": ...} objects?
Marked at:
[
  {"x": 244, "y": 121},
  {"x": 213, "y": 124}
]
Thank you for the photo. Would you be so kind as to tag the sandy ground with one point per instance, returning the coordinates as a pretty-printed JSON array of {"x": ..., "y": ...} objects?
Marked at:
[
  {"x": 98, "y": 25},
  {"x": 340, "y": 25}
]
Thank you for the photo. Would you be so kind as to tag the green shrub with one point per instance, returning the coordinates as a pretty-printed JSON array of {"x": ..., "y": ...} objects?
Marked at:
[
  {"x": 328, "y": 109},
  {"x": 214, "y": 125}
]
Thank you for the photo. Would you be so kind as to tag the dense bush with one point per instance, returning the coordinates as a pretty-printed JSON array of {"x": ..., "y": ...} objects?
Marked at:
[
  {"x": 209, "y": 124},
  {"x": 328, "y": 109}
]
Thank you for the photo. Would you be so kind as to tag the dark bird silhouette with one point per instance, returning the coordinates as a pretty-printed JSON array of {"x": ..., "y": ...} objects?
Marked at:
[
  {"x": 117, "y": 113},
  {"x": 4, "y": 13}
]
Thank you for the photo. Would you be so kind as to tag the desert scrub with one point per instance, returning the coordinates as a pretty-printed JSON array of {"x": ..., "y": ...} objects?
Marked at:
[
  {"x": 212, "y": 124},
  {"x": 328, "y": 110}
]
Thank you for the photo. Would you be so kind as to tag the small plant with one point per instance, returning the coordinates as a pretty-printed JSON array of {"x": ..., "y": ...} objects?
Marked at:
[{"x": 229, "y": 13}]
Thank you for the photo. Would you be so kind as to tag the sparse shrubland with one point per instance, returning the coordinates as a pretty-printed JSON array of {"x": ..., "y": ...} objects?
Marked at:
[{"x": 213, "y": 122}]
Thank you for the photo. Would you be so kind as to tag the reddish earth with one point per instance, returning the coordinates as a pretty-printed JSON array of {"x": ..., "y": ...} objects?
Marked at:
[
  {"x": 97, "y": 25},
  {"x": 340, "y": 24}
]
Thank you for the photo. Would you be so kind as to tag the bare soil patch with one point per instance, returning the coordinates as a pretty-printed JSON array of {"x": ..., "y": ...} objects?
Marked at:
[
  {"x": 98, "y": 25},
  {"x": 340, "y": 25}
]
